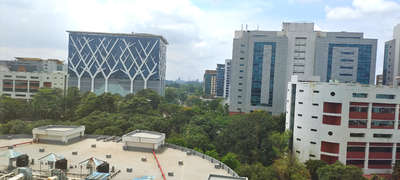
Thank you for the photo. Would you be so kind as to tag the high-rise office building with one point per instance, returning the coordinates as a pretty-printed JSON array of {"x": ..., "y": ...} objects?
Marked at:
[
  {"x": 264, "y": 61},
  {"x": 220, "y": 80},
  {"x": 210, "y": 83},
  {"x": 116, "y": 62},
  {"x": 22, "y": 78},
  {"x": 391, "y": 61},
  {"x": 227, "y": 79}
]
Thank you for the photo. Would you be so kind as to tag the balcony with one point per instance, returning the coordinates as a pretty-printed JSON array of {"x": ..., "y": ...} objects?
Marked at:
[
  {"x": 382, "y": 124},
  {"x": 357, "y": 123}
]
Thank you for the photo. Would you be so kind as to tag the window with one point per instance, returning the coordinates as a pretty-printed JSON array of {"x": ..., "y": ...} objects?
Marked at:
[
  {"x": 315, "y": 91},
  {"x": 297, "y": 51},
  {"x": 312, "y": 155},
  {"x": 239, "y": 96},
  {"x": 240, "y": 77},
  {"x": 241, "y": 58},
  {"x": 347, "y": 60},
  {"x": 346, "y": 67},
  {"x": 298, "y": 127},
  {"x": 301, "y": 90},
  {"x": 360, "y": 95},
  {"x": 297, "y": 58},
  {"x": 299, "y": 115},
  {"x": 241, "y": 64},
  {"x": 240, "y": 83},
  {"x": 239, "y": 102},
  {"x": 241, "y": 71},
  {"x": 242, "y": 45},
  {"x": 312, "y": 142},
  {"x": 357, "y": 134},
  {"x": 240, "y": 90},
  {"x": 345, "y": 74},
  {"x": 382, "y": 135},
  {"x": 314, "y": 117},
  {"x": 385, "y": 96},
  {"x": 34, "y": 77},
  {"x": 297, "y": 151},
  {"x": 22, "y": 77},
  {"x": 298, "y": 139},
  {"x": 315, "y": 104},
  {"x": 7, "y": 76},
  {"x": 347, "y": 53},
  {"x": 300, "y": 102},
  {"x": 314, "y": 130},
  {"x": 301, "y": 37},
  {"x": 20, "y": 95}
]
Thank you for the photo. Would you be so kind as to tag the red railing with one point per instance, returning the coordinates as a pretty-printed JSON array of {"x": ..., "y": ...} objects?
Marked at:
[
  {"x": 356, "y": 155},
  {"x": 14, "y": 145},
  {"x": 159, "y": 165},
  {"x": 358, "y": 115}
]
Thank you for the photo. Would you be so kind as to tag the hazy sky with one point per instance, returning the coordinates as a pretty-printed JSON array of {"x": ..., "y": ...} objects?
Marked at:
[{"x": 200, "y": 32}]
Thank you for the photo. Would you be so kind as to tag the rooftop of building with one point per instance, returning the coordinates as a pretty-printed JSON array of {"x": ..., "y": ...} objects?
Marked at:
[
  {"x": 59, "y": 128},
  {"x": 133, "y": 34},
  {"x": 37, "y": 59},
  {"x": 220, "y": 177},
  {"x": 145, "y": 134},
  {"x": 194, "y": 166}
]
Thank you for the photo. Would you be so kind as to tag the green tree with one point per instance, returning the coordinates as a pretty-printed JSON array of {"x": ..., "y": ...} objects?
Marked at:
[
  {"x": 71, "y": 102},
  {"x": 231, "y": 160},
  {"x": 212, "y": 153},
  {"x": 47, "y": 103},
  {"x": 11, "y": 109},
  {"x": 288, "y": 168},
  {"x": 313, "y": 166},
  {"x": 151, "y": 96},
  {"x": 171, "y": 95},
  {"x": 280, "y": 142},
  {"x": 338, "y": 171},
  {"x": 255, "y": 171}
]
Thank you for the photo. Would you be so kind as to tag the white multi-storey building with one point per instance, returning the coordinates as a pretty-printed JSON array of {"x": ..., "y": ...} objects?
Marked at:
[
  {"x": 22, "y": 78},
  {"x": 264, "y": 61},
  {"x": 227, "y": 79},
  {"x": 347, "y": 122}
]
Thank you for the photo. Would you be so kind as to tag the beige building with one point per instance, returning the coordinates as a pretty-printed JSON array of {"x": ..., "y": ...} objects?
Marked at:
[{"x": 23, "y": 77}]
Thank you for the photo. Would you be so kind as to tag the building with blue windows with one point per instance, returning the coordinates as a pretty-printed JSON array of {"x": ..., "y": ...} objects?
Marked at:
[
  {"x": 220, "y": 80},
  {"x": 210, "y": 84},
  {"x": 227, "y": 79},
  {"x": 116, "y": 62},
  {"x": 264, "y": 61}
]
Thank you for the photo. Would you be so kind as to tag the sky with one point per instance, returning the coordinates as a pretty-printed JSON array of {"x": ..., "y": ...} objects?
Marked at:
[{"x": 200, "y": 32}]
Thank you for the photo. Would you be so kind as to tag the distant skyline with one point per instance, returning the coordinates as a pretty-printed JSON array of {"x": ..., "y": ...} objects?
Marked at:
[{"x": 200, "y": 32}]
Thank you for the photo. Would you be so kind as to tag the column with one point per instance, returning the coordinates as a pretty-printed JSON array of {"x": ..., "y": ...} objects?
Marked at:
[
  {"x": 369, "y": 115},
  {"x": 394, "y": 154},
  {"x": 396, "y": 118},
  {"x": 13, "y": 89},
  {"x": 366, "y": 157}
]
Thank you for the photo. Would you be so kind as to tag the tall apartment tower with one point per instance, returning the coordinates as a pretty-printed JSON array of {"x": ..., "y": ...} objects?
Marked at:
[
  {"x": 227, "y": 79},
  {"x": 210, "y": 83},
  {"x": 264, "y": 61},
  {"x": 391, "y": 61},
  {"x": 116, "y": 62},
  {"x": 220, "y": 80}
]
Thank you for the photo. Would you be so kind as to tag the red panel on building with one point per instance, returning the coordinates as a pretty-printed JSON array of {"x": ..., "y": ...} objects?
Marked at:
[
  {"x": 355, "y": 155},
  {"x": 362, "y": 144},
  {"x": 47, "y": 84},
  {"x": 329, "y": 159},
  {"x": 380, "y": 155},
  {"x": 380, "y": 166},
  {"x": 332, "y": 107},
  {"x": 329, "y": 147},
  {"x": 331, "y": 120}
]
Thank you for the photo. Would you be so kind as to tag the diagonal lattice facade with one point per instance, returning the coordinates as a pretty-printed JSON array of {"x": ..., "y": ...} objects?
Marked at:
[{"x": 116, "y": 63}]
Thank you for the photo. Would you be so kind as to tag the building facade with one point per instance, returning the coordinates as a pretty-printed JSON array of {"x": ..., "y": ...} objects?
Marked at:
[
  {"x": 388, "y": 62},
  {"x": 22, "y": 78},
  {"x": 379, "y": 79},
  {"x": 351, "y": 123},
  {"x": 210, "y": 83},
  {"x": 220, "y": 80},
  {"x": 264, "y": 61},
  {"x": 116, "y": 63},
  {"x": 227, "y": 79}
]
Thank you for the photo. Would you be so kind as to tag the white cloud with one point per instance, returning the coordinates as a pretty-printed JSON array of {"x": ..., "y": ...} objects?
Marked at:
[
  {"x": 361, "y": 8},
  {"x": 199, "y": 38}
]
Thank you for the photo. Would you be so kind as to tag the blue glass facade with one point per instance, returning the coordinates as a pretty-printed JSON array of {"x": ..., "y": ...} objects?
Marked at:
[
  {"x": 92, "y": 49},
  {"x": 385, "y": 64},
  {"x": 256, "y": 82},
  {"x": 364, "y": 61},
  {"x": 220, "y": 79}
]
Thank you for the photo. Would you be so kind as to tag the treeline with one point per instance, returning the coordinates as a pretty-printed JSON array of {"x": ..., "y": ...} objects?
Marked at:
[{"x": 254, "y": 145}]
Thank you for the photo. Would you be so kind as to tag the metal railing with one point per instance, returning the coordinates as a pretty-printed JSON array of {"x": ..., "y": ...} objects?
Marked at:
[{"x": 204, "y": 156}]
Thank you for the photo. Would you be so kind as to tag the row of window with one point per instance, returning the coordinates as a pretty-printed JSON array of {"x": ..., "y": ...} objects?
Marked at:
[{"x": 378, "y": 96}]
